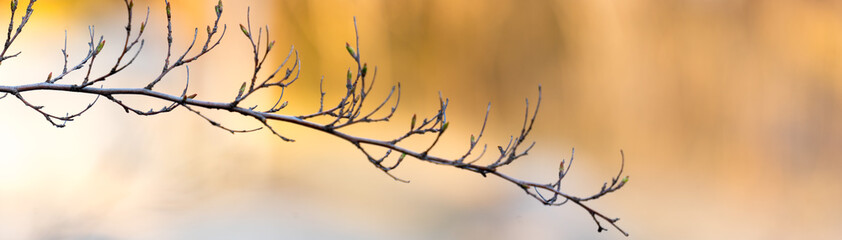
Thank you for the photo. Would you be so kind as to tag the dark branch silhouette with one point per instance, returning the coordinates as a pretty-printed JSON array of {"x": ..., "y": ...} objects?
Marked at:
[{"x": 348, "y": 111}]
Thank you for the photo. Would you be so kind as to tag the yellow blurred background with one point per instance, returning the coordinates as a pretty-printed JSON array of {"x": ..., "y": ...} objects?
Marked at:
[{"x": 728, "y": 112}]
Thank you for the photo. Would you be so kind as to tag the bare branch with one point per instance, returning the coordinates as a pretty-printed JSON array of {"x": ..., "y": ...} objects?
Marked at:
[
  {"x": 10, "y": 38},
  {"x": 351, "y": 109}
]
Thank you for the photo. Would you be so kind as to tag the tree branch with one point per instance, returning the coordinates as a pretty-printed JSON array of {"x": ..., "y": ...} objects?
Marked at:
[{"x": 348, "y": 111}]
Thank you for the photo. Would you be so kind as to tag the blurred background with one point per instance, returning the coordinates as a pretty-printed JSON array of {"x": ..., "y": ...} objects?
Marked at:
[{"x": 728, "y": 112}]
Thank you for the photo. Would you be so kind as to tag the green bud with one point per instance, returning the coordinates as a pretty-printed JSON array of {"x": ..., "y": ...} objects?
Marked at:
[
  {"x": 626, "y": 179},
  {"x": 444, "y": 127},
  {"x": 219, "y": 7},
  {"x": 350, "y": 50},
  {"x": 131, "y": 4},
  {"x": 142, "y": 26},
  {"x": 561, "y": 166},
  {"x": 169, "y": 13},
  {"x": 209, "y": 30},
  {"x": 269, "y": 47},
  {"x": 242, "y": 89},
  {"x": 245, "y": 31},
  {"x": 412, "y": 124},
  {"x": 99, "y": 47},
  {"x": 348, "y": 80},
  {"x": 14, "y": 5},
  {"x": 364, "y": 70},
  {"x": 472, "y": 139}
]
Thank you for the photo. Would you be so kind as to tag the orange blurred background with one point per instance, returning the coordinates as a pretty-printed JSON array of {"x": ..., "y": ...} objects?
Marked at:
[{"x": 728, "y": 112}]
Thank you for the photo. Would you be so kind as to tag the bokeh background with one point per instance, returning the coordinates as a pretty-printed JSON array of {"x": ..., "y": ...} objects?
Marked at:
[{"x": 728, "y": 112}]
